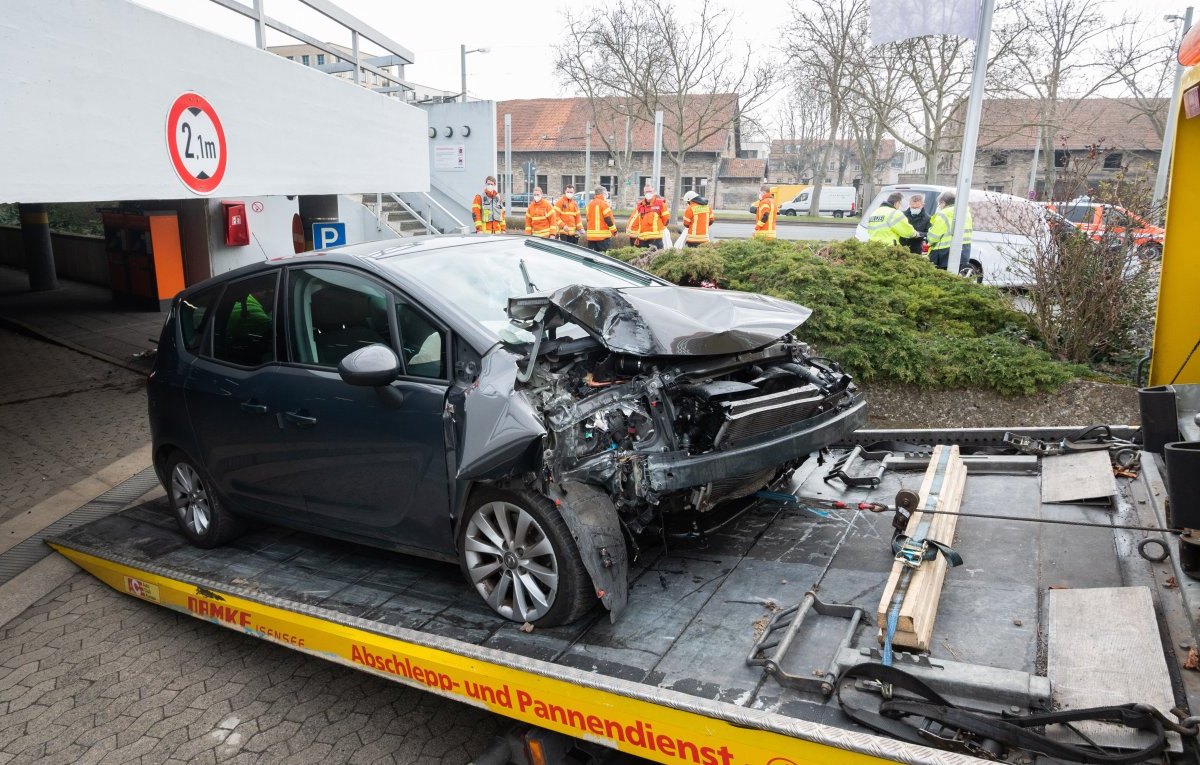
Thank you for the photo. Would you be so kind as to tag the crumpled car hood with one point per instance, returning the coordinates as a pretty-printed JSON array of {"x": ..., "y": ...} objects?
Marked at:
[{"x": 670, "y": 321}]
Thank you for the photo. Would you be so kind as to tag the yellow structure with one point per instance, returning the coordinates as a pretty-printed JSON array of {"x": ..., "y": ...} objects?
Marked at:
[
  {"x": 787, "y": 192},
  {"x": 1177, "y": 325}
]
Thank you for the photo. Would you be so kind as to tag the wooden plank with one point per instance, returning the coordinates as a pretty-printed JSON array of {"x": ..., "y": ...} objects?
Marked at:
[
  {"x": 1103, "y": 647},
  {"x": 918, "y": 612},
  {"x": 1078, "y": 477}
]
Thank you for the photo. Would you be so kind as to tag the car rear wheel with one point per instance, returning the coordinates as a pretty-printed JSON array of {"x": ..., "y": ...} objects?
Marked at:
[
  {"x": 201, "y": 515},
  {"x": 516, "y": 550},
  {"x": 972, "y": 271}
]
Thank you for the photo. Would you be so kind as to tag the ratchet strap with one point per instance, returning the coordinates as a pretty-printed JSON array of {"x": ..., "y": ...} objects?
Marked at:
[{"x": 920, "y": 715}]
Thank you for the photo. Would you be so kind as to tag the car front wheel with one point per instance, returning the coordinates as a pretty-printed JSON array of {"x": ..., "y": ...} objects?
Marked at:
[
  {"x": 519, "y": 555},
  {"x": 200, "y": 514}
]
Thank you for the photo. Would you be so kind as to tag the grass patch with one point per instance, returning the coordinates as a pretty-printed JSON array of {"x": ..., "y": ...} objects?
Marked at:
[{"x": 883, "y": 312}]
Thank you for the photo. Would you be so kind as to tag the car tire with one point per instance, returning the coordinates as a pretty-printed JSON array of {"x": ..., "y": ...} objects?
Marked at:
[
  {"x": 1150, "y": 253},
  {"x": 518, "y": 553},
  {"x": 973, "y": 271},
  {"x": 201, "y": 515},
  {"x": 838, "y": 214}
]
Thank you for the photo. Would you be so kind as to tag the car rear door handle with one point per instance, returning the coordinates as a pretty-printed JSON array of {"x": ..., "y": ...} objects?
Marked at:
[
  {"x": 253, "y": 408},
  {"x": 302, "y": 420}
]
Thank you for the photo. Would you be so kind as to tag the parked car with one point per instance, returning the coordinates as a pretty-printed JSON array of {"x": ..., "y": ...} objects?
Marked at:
[
  {"x": 838, "y": 201},
  {"x": 1007, "y": 229},
  {"x": 521, "y": 406},
  {"x": 1101, "y": 221}
]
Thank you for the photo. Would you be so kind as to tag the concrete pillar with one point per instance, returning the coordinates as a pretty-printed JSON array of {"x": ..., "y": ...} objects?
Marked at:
[
  {"x": 316, "y": 208},
  {"x": 39, "y": 253}
]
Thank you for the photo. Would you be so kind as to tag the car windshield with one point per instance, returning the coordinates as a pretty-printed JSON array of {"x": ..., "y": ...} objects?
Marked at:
[{"x": 480, "y": 278}]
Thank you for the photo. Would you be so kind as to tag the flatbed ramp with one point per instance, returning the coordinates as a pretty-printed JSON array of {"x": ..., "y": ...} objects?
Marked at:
[{"x": 670, "y": 680}]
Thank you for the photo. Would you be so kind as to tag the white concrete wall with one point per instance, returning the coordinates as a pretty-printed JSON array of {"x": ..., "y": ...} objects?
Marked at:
[
  {"x": 460, "y": 186},
  {"x": 270, "y": 232},
  {"x": 361, "y": 223},
  {"x": 88, "y": 84}
]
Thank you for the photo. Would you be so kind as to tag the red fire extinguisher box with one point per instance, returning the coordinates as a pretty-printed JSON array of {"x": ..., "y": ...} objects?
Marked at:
[{"x": 237, "y": 227}]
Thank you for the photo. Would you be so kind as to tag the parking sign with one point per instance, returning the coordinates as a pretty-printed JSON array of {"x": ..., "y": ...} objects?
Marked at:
[{"x": 326, "y": 235}]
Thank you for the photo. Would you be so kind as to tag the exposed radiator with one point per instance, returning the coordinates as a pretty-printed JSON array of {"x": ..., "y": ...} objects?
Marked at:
[{"x": 750, "y": 418}]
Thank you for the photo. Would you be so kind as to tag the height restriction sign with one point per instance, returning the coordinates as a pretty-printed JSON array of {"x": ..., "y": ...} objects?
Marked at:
[{"x": 196, "y": 143}]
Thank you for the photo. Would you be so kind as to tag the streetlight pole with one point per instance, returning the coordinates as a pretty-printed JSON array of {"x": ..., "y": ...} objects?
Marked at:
[
  {"x": 1164, "y": 158},
  {"x": 464, "y": 53}
]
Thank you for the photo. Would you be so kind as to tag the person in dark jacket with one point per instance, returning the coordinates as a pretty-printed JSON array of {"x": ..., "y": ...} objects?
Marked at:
[{"x": 918, "y": 218}]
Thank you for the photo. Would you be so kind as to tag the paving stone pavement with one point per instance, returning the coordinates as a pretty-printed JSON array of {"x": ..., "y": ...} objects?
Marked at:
[
  {"x": 90, "y": 676},
  {"x": 63, "y": 416}
]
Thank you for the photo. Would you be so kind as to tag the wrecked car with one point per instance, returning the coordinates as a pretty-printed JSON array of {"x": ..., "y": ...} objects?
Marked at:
[{"x": 525, "y": 408}]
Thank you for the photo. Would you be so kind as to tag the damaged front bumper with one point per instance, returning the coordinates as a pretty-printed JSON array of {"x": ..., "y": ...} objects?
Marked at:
[{"x": 673, "y": 471}]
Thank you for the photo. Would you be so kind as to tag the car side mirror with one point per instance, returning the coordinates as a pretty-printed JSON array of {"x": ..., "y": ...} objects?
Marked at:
[{"x": 372, "y": 366}]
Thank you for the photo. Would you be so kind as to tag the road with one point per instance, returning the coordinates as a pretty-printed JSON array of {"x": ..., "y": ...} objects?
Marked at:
[{"x": 743, "y": 230}]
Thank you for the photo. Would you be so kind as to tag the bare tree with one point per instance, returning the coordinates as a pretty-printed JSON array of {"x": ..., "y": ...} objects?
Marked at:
[
  {"x": 803, "y": 125},
  {"x": 650, "y": 57},
  {"x": 872, "y": 108},
  {"x": 1143, "y": 58},
  {"x": 1057, "y": 62},
  {"x": 827, "y": 37}
]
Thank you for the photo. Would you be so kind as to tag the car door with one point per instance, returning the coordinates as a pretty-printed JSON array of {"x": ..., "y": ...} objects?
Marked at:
[
  {"x": 373, "y": 462},
  {"x": 232, "y": 396}
]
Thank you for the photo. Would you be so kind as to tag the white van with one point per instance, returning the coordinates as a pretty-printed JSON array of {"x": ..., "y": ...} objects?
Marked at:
[
  {"x": 837, "y": 201},
  {"x": 1006, "y": 230}
]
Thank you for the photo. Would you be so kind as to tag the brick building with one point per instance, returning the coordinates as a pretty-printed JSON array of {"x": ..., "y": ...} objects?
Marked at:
[
  {"x": 550, "y": 133},
  {"x": 1094, "y": 140}
]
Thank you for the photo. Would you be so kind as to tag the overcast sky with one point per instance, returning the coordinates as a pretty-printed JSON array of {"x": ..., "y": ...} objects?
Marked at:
[{"x": 521, "y": 36}]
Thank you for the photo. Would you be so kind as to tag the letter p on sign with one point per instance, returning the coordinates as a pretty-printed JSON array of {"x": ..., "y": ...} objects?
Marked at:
[{"x": 326, "y": 235}]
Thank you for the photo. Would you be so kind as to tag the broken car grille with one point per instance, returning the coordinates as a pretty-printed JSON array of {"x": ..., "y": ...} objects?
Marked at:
[{"x": 749, "y": 418}]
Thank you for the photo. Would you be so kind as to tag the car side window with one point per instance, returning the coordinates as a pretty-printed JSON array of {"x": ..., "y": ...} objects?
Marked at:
[
  {"x": 1078, "y": 213},
  {"x": 243, "y": 325},
  {"x": 334, "y": 312},
  {"x": 423, "y": 344},
  {"x": 192, "y": 312}
]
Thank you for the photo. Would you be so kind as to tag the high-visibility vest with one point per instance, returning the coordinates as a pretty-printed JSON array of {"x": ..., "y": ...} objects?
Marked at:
[
  {"x": 600, "y": 223},
  {"x": 764, "y": 218},
  {"x": 698, "y": 218},
  {"x": 649, "y": 219},
  {"x": 941, "y": 227},
  {"x": 888, "y": 225},
  {"x": 488, "y": 213},
  {"x": 540, "y": 219},
  {"x": 568, "y": 215}
]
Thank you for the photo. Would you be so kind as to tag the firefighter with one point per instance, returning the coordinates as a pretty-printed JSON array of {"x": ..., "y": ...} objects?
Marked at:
[
  {"x": 568, "y": 216},
  {"x": 488, "y": 209},
  {"x": 764, "y": 214},
  {"x": 941, "y": 227},
  {"x": 649, "y": 219},
  {"x": 540, "y": 218},
  {"x": 697, "y": 218},
  {"x": 601, "y": 227},
  {"x": 888, "y": 224}
]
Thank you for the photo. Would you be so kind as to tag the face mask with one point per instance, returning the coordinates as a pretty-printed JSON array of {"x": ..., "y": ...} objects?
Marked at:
[
  {"x": 537, "y": 197},
  {"x": 649, "y": 197},
  {"x": 915, "y": 209},
  {"x": 490, "y": 187}
]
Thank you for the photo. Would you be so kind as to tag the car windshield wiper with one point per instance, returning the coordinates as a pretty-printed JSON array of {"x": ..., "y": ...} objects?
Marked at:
[
  {"x": 600, "y": 264},
  {"x": 529, "y": 288}
]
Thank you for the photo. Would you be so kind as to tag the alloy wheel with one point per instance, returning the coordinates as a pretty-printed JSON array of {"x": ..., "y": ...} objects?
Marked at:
[
  {"x": 511, "y": 561},
  {"x": 190, "y": 498}
]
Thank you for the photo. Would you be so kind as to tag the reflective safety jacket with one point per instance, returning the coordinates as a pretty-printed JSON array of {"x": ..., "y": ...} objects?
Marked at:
[
  {"x": 649, "y": 219},
  {"x": 698, "y": 217},
  {"x": 568, "y": 215},
  {"x": 600, "y": 223},
  {"x": 488, "y": 213},
  {"x": 764, "y": 217},
  {"x": 541, "y": 219},
  {"x": 889, "y": 225},
  {"x": 941, "y": 228}
]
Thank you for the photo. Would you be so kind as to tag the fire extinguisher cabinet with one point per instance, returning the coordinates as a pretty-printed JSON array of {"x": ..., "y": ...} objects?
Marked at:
[{"x": 145, "y": 260}]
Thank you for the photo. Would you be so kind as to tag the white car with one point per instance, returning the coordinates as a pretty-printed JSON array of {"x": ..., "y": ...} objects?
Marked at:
[{"x": 1007, "y": 230}]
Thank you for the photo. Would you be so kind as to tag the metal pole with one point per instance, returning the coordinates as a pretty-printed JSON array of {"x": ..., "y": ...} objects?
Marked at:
[
  {"x": 508, "y": 178},
  {"x": 658, "y": 127},
  {"x": 587, "y": 158},
  {"x": 966, "y": 163},
  {"x": 357, "y": 59},
  {"x": 463, "y": 48},
  {"x": 260, "y": 25},
  {"x": 1037, "y": 150},
  {"x": 1164, "y": 159}
]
